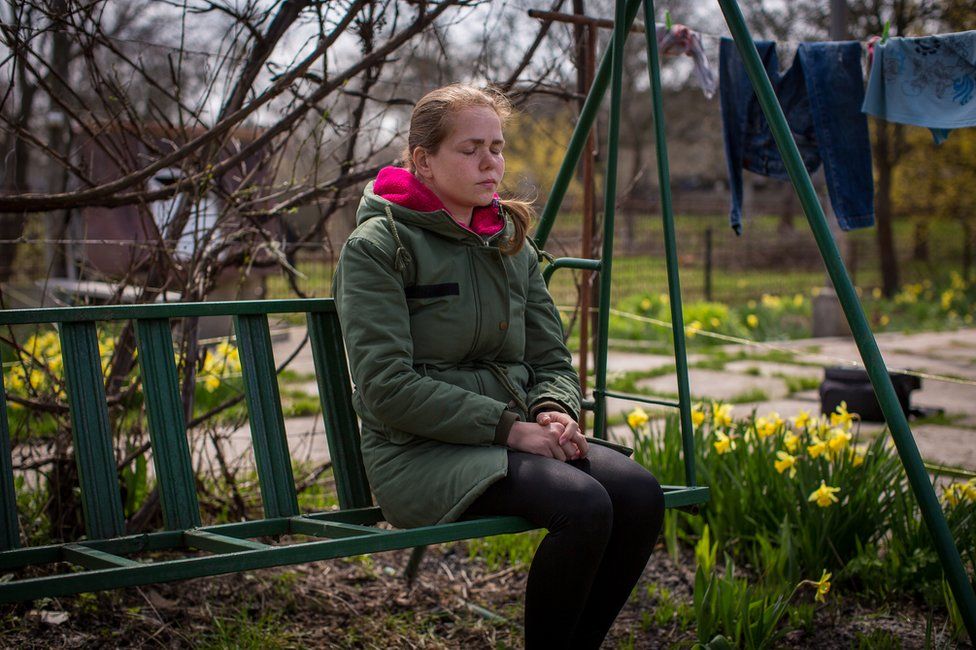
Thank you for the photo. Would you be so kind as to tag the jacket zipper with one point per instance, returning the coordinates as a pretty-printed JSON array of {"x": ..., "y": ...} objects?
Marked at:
[{"x": 477, "y": 304}]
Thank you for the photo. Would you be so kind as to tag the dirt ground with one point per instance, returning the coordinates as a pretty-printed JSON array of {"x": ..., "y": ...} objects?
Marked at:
[{"x": 456, "y": 602}]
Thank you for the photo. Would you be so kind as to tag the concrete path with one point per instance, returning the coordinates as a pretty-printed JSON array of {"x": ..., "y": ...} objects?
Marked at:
[{"x": 952, "y": 354}]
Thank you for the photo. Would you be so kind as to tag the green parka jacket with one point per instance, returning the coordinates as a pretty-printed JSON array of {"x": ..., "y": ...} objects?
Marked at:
[{"x": 448, "y": 341}]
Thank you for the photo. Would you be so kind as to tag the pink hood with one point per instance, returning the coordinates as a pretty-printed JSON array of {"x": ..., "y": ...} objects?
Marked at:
[{"x": 397, "y": 185}]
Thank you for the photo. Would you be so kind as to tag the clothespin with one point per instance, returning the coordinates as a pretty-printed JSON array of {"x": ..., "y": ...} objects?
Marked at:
[
  {"x": 667, "y": 19},
  {"x": 884, "y": 34}
]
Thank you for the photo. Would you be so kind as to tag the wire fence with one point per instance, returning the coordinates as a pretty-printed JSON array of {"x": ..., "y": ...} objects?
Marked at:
[{"x": 775, "y": 255}]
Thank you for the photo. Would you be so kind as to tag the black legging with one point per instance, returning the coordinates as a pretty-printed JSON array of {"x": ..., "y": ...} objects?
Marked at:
[{"x": 603, "y": 513}]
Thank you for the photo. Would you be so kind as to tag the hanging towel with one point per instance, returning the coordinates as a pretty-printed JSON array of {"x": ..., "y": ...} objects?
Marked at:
[
  {"x": 928, "y": 81},
  {"x": 820, "y": 94},
  {"x": 682, "y": 40}
]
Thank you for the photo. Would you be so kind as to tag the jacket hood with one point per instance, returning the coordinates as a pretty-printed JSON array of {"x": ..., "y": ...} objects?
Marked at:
[{"x": 411, "y": 202}]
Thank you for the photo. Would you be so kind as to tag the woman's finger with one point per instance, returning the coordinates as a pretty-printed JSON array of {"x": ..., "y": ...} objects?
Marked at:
[
  {"x": 581, "y": 444},
  {"x": 557, "y": 451},
  {"x": 570, "y": 432}
]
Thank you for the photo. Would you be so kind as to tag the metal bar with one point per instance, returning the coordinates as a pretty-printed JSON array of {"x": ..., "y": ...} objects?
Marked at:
[
  {"x": 332, "y": 530},
  {"x": 9, "y": 528},
  {"x": 194, "y": 567},
  {"x": 578, "y": 140},
  {"x": 94, "y": 559},
  {"x": 264, "y": 412},
  {"x": 363, "y": 516},
  {"x": 671, "y": 251},
  {"x": 167, "y": 427},
  {"x": 207, "y": 541},
  {"x": 569, "y": 263},
  {"x": 676, "y": 496},
  {"x": 641, "y": 399},
  {"x": 100, "y": 497},
  {"x": 164, "y": 310},
  {"x": 609, "y": 205},
  {"x": 587, "y": 288},
  {"x": 341, "y": 426},
  {"x": 952, "y": 564}
]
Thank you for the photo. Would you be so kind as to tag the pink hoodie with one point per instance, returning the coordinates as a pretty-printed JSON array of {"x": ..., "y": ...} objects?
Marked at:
[{"x": 397, "y": 185}]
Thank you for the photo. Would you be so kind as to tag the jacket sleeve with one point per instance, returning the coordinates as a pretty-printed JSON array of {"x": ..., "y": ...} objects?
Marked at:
[
  {"x": 556, "y": 382},
  {"x": 375, "y": 325}
]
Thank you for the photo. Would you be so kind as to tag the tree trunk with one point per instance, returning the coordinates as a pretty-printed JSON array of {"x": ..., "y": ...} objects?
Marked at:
[
  {"x": 920, "y": 246},
  {"x": 884, "y": 160}
]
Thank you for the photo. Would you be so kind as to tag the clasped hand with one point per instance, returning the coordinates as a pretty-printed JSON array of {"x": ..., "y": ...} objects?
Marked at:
[{"x": 553, "y": 434}]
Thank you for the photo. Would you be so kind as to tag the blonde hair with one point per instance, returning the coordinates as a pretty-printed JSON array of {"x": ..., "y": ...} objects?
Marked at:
[{"x": 430, "y": 124}]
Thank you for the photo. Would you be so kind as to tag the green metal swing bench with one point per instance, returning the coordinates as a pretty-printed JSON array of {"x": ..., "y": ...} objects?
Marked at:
[{"x": 107, "y": 558}]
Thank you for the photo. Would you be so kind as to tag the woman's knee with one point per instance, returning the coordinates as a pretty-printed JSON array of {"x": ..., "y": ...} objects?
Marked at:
[
  {"x": 586, "y": 508},
  {"x": 641, "y": 499}
]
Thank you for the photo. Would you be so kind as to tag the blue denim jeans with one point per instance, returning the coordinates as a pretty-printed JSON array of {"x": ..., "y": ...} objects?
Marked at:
[{"x": 821, "y": 96}]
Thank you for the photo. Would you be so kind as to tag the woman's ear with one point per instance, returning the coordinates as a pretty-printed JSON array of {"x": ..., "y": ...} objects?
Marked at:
[{"x": 420, "y": 162}]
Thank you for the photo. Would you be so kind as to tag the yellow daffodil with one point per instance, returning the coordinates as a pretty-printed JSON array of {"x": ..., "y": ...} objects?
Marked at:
[
  {"x": 818, "y": 447},
  {"x": 838, "y": 440},
  {"x": 772, "y": 302},
  {"x": 876, "y": 293},
  {"x": 645, "y": 304},
  {"x": 785, "y": 462},
  {"x": 723, "y": 444},
  {"x": 798, "y": 300},
  {"x": 721, "y": 415},
  {"x": 956, "y": 493},
  {"x": 765, "y": 427},
  {"x": 801, "y": 420},
  {"x": 823, "y": 426},
  {"x": 946, "y": 299},
  {"x": 791, "y": 441},
  {"x": 840, "y": 416},
  {"x": 211, "y": 383},
  {"x": 885, "y": 320},
  {"x": 752, "y": 321},
  {"x": 637, "y": 418},
  {"x": 857, "y": 455},
  {"x": 823, "y": 587},
  {"x": 824, "y": 495},
  {"x": 693, "y": 328},
  {"x": 697, "y": 415}
]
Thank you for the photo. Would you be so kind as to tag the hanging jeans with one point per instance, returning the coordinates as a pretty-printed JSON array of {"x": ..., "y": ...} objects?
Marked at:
[
  {"x": 928, "y": 81},
  {"x": 821, "y": 96}
]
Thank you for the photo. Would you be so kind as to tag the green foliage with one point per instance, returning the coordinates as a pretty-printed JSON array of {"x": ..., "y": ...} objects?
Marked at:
[
  {"x": 795, "y": 499},
  {"x": 941, "y": 301},
  {"x": 250, "y": 628},
  {"x": 514, "y": 549},
  {"x": 135, "y": 484},
  {"x": 729, "y": 607}
]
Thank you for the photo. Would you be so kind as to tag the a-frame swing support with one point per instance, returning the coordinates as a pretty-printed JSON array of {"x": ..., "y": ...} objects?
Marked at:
[{"x": 610, "y": 73}]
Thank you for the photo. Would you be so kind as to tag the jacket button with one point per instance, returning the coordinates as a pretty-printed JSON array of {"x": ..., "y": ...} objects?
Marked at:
[{"x": 503, "y": 325}]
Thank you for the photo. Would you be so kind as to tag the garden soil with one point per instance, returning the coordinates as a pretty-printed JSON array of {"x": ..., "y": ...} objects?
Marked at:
[{"x": 456, "y": 602}]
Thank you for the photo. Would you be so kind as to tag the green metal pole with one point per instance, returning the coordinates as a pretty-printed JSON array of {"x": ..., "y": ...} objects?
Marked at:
[
  {"x": 620, "y": 28},
  {"x": 670, "y": 246},
  {"x": 580, "y": 132},
  {"x": 952, "y": 564}
]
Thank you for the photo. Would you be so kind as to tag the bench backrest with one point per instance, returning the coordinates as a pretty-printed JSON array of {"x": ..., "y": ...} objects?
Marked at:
[{"x": 92, "y": 437}]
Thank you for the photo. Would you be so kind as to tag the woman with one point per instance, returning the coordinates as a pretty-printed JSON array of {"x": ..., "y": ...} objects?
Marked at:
[{"x": 467, "y": 395}]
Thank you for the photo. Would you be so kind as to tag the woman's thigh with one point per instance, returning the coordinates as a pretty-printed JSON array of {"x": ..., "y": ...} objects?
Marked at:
[
  {"x": 544, "y": 491},
  {"x": 540, "y": 489}
]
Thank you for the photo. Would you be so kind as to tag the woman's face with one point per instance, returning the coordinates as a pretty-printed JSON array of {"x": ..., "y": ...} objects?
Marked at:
[{"x": 468, "y": 166}]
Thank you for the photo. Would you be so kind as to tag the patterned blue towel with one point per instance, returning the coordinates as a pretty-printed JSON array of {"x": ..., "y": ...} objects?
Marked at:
[{"x": 929, "y": 81}]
